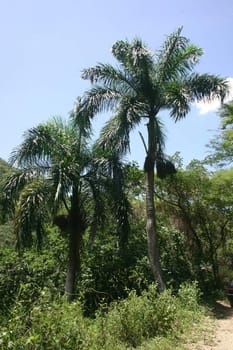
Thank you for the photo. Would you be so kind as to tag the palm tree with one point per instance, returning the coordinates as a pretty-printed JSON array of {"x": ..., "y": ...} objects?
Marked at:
[
  {"x": 53, "y": 176},
  {"x": 57, "y": 172},
  {"x": 142, "y": 85}
]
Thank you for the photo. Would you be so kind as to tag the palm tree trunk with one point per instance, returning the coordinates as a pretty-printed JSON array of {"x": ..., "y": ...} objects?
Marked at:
[
  {"x": 73, "y": 262},
  {"x": 152, "y": 236},
  {"x": 152, "y": 241},
  {"x": 76, "y": 229}
]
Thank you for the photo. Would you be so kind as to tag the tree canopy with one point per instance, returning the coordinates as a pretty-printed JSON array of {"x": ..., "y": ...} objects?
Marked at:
[{"x": 221, "y": 146}]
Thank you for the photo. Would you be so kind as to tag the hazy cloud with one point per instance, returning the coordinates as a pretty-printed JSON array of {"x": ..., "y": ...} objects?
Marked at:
[{"x": 206, "y": 107}]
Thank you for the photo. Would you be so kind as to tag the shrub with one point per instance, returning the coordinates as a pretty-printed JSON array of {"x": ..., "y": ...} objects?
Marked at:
[
  {"x": 22, "y": 277},
  {"x": 189, "y": 296},
  {"x": 108, "y": 271},
  {"x": 140, "y": 317},
  {"x": 56, "y": 325}
]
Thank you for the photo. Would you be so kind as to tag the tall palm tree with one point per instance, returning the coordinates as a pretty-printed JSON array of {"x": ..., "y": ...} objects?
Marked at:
[
  {"x": 53, "y": 175},
  {"x": 143, "y": 84}
]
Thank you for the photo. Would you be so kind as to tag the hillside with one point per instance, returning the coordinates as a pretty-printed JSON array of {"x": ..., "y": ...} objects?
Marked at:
[
  {"x": 6, "y": 228},
  {"x": 4, "y": 167}
]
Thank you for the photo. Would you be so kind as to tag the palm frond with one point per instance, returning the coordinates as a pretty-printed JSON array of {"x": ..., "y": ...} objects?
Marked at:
[
  {"x": 63, "y": 177},
  {"x": 111, "y": 182},
  {"x": 177, "y": 99},
  {"x": 133, "y": 56},
  {"x": 159, "y": 136},
  {"x": 115, "y": 135},
  {"x": 81, "y": 121},
  {"x": 206, "y": 87},
  {"x": 15, "y": 182},
  {"x": 31, "y": 211},
  {"x": 118, "y": 197},
  {"x": 44, "y": 143},
  {"x": 137, "y": 61},
  {"x": 95, "y": 197},
  {"x": 109, "y": 77},
  {"x": 62, "y": 184},
  {"x": 176, "y": 58},
  {"x": 37, "y": 146},
  {"x": 99, "y": 99}
]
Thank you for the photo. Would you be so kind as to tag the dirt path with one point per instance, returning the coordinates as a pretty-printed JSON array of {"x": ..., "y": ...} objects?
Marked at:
[{"x": 221, "y": 337}]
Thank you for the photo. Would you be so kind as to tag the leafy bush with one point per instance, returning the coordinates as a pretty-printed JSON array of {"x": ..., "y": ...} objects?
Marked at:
[
  {"x": 49, "y": 325},
  {"x": 57, "y": 325},
  {"x": 108, "y": 272},
  {"x": 22, "y": 277},
  {"x": 141, "y": 317},
  {"x": 7, "y": 237},
  {"x": 189, "y": 296}
]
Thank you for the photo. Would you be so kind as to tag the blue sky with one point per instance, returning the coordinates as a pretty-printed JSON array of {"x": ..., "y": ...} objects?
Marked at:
[{"x": 45, "y": 45}]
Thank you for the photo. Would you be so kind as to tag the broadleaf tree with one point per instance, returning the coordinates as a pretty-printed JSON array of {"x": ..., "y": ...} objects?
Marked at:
[
  {"x": 199, "y": 204},
  {"x": 221, "y": 146}
]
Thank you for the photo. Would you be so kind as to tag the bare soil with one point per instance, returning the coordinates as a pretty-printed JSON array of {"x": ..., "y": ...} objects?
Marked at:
[{"x": 219, "y": 330}]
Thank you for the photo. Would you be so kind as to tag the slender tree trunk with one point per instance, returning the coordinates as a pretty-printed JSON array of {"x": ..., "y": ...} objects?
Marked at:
[
  {"x": 152, "y": 237},
  {"x": 73, "y": 262},
  {"x": 153, "y": 249},
  {"x": 76, "y": 227}
]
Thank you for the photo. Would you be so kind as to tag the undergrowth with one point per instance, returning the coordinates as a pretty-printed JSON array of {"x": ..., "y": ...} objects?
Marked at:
[{"x": 136, "y": 322}]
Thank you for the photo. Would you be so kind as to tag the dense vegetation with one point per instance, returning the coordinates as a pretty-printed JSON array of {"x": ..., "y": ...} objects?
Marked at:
[{"x": 74, "y": 217}]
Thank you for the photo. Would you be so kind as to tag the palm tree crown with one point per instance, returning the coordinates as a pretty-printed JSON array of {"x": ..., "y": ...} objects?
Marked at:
[{"x": 145, "y": 83}]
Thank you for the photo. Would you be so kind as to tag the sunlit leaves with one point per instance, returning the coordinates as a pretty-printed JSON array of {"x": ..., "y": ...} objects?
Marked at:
[
  {"x": 221, "y": 146},
  {"x": 177, "y": 57}
]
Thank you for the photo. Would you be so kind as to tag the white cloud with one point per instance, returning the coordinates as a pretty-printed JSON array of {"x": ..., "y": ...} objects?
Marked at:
[{"x": 206, "y": 107}]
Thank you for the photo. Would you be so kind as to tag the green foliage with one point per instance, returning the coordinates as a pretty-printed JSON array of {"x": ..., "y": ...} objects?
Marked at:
[
  {"x": 196, "y": 208},
  {"x": 57, "y": 325},
  {"x": 7, "y": 237},
  {"x": 5, "y": 170},
  {"x": 109, "y": 271},
  {"x": 22, "y": 277},
  {"x": 135, "y": 181},
  {"x": 4, "y": 167},
  {"x": 49, "y": 325},
  {"x": 140, "y": 317},
  {"x": 189, "y": 296},
  {"x": 175, "y": 260},
  {"x": 221, "y": 147}
]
